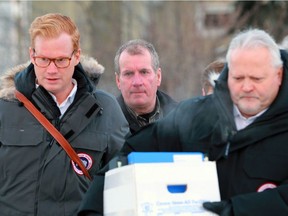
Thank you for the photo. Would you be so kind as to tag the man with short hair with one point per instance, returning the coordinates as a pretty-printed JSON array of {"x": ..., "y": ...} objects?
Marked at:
[
  {"x": 138, "y": 77},
  {"x": 243, "y": 126},
  {"x": 37, "y": 177}
]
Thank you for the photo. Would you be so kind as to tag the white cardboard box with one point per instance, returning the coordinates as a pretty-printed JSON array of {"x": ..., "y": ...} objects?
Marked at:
[{"x": 141, "y": 189}]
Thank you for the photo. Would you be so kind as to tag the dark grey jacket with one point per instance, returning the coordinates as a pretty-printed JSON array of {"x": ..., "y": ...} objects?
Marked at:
[
  {"x": 166, "y": 104},
  {"x": 37, "y": 177}
]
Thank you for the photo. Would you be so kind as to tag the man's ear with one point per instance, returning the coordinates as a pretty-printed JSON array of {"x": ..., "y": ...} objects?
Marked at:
[
  {"x": 31, "y": 54},
  {"x": 203, "y": 92},
  {"x": 280, "y": 75},
  {"x": 159, "y": 76},
  {"x": 117, "y": 80},
  {"x": 77, "y": 55}
]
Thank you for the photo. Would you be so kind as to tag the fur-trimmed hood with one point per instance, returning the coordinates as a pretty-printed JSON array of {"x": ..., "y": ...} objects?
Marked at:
[{"x": 90, "y": 65}]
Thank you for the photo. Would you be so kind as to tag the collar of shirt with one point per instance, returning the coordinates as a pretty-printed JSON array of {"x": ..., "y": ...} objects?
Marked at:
[
  {"x": 241, "y": 121},
  {"x": 68, "y": 101},
  {"x": 155, "y": 114}
]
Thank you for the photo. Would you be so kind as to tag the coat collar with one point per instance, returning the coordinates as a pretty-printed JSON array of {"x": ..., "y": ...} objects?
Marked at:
[{"x": 23, "y": 77}]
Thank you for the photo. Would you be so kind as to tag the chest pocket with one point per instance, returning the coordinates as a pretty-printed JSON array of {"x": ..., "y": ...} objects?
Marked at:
[
  {"x": 20, "y": 150},
  {"x": 21, "y": 135},
  {"x": 267, "y": 165}
]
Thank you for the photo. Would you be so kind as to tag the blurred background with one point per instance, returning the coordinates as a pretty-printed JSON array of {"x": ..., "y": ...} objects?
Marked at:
[{"x": 188, "y": 35}]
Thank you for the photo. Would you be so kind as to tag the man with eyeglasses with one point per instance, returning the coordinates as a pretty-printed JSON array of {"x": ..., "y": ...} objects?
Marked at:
[
  {"x": 62, "y": 62},
  {"x": 37, "y": 177}
]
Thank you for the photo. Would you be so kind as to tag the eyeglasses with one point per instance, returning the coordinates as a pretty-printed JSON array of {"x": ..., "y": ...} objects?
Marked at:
[{"x": 44, "y": 62}]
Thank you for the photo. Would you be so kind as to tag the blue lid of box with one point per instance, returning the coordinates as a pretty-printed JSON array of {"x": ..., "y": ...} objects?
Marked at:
[{"x": 163, "y": 157}]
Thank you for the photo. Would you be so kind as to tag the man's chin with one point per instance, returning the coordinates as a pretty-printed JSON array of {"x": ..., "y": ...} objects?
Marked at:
[
  {"x": 248, "y": 111},
  {"x": 138, "y": 98},
  {"x": 138, "y": 102}
]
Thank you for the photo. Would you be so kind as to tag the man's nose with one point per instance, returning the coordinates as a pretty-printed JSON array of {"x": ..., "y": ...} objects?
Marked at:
[
  {"x": 247, "y": 85},
  {"x": 137, "y": 80},
  {"x": 52, "y": 67}
]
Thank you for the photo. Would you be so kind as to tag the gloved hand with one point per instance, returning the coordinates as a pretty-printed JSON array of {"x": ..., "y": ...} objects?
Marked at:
[{"x": 223, "y": 208}]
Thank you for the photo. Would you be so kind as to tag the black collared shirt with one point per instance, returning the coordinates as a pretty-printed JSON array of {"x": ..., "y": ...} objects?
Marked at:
[{"x": 147, "y": 118}]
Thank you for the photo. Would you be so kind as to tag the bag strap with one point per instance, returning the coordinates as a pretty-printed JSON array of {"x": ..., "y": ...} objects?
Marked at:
[{"x": 53, "y": 131}]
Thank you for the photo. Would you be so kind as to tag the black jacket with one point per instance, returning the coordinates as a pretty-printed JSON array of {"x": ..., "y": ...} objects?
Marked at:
[
  {"x": 247, "y": 160},
  {"x": 166, "y": 105}
]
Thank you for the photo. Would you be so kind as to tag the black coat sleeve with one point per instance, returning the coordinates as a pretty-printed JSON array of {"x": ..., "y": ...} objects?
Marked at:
[
  {"x": 92, "y": 203},
  {"x": 160, "y": 136},
  {"x": 266, "y": 203}
]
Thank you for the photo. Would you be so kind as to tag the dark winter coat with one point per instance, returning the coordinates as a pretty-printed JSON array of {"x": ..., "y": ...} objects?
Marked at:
[
  {"x": 37, "y": 177},
  {"x": 248, "y": 161},
  {"x": 166, "y": 105}
]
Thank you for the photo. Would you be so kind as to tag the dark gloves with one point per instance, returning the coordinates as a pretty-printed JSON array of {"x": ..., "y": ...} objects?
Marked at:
[{"x": 223, "y": 208}]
